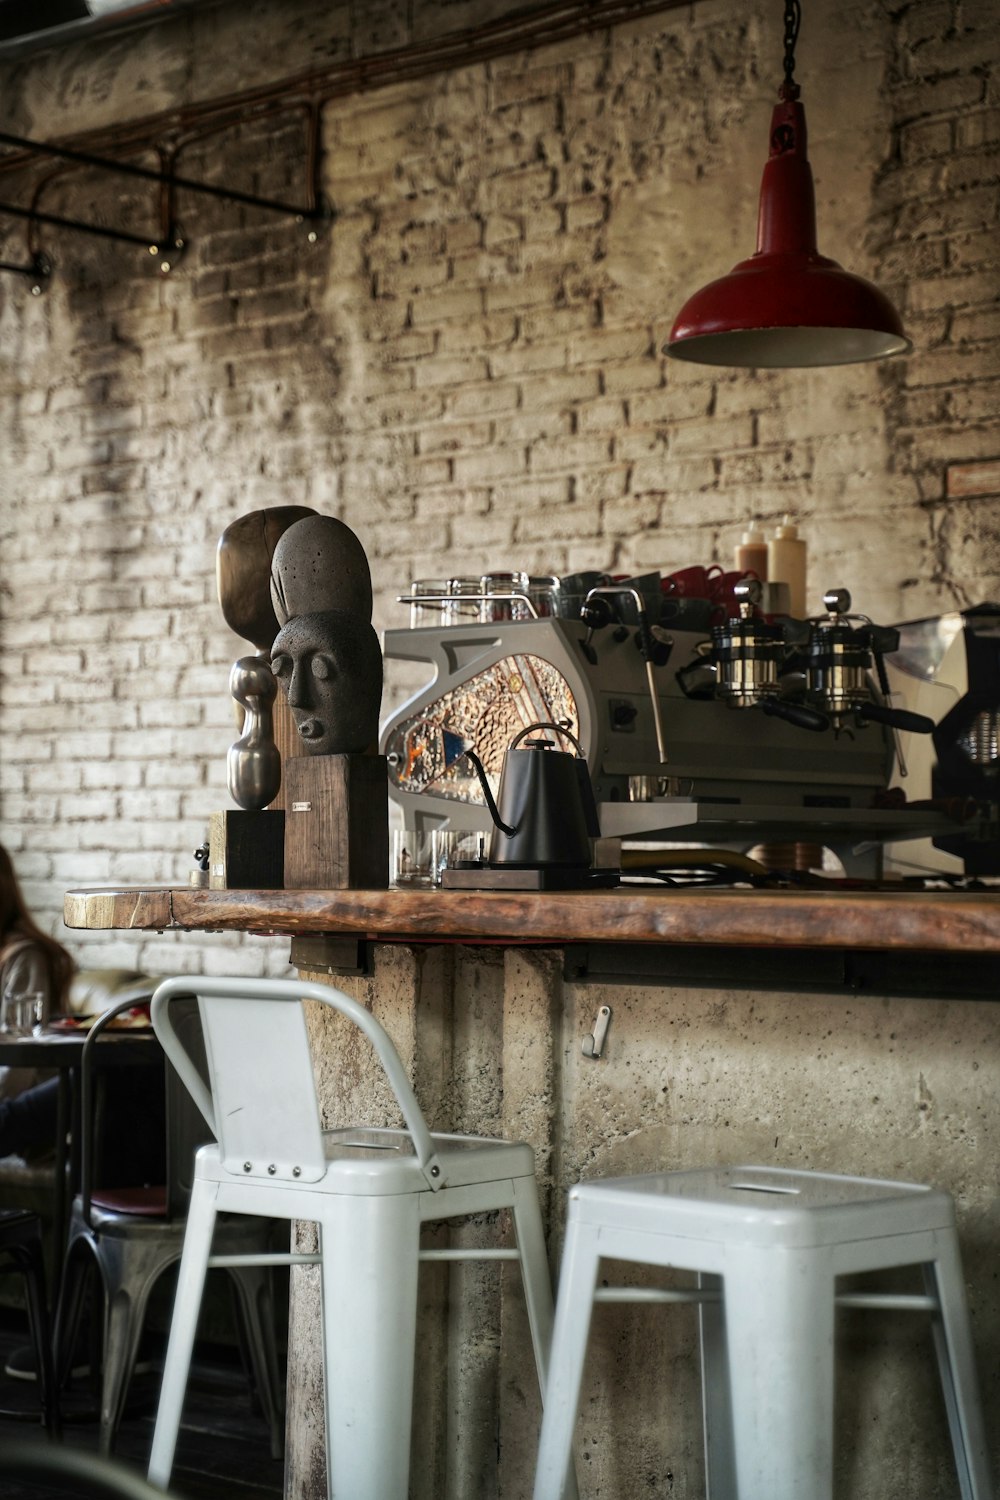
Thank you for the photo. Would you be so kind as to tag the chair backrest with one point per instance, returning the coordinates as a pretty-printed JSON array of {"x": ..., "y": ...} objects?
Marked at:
[
  {"x": 91, "y": 1127},
  {"x": 182, "y": 1130},
  {"x": 186, "y": 1127},
  {"x": 260, "y": 1097}
]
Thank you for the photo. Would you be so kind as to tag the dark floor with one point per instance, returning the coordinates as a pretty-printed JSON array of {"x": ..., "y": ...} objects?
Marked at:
[{"x": 223, "y": 1449}]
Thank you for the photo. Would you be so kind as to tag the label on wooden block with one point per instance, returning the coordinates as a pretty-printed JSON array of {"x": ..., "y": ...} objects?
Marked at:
[{"x": 337, "y": 834}]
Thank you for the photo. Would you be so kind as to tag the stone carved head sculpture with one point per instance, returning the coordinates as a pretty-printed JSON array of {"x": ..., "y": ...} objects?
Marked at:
[{"x": 326, "y": 656}]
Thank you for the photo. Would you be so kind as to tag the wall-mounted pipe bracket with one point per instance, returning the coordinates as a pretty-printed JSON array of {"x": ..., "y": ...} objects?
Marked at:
[
  {"x": 593, "y": 1045},
  {"x": 166, "y": 246},
  {"x": 38, "y": 269}
]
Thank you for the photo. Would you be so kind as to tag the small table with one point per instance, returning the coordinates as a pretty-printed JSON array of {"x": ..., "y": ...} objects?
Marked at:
[{"x": 62, "y": 1052}]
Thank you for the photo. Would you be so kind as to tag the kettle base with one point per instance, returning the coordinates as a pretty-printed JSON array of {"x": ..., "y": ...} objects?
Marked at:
[{"x": 534, "y": 878}]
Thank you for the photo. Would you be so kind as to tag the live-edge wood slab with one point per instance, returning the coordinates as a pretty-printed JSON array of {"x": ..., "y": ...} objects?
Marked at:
[{"x": 933, "y": 921}]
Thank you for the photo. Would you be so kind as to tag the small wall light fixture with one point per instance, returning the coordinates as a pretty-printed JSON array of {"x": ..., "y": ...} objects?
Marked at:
[{"x": 787, "y": 306}]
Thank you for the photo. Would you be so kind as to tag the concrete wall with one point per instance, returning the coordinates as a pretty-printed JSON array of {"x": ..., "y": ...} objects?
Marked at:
[{"x": 467, "y": 368}]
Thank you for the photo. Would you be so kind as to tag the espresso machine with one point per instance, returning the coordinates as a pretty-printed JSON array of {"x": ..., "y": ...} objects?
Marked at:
[{"x": 703, "y": 721}]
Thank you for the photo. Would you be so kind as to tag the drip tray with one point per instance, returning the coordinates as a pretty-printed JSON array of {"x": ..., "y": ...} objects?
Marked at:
[{"x": 536, "y": 878}]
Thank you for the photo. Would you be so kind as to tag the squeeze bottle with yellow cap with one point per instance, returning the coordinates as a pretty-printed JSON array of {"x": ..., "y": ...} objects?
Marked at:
[
  {"x": 786, "y": 563},
  {"x": 751, "y": 553}
]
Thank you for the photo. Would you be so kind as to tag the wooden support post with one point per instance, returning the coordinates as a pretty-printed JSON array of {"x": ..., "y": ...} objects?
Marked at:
[
  {"x": 337, "y": 822},
  {"x": 246, "y": 850}
]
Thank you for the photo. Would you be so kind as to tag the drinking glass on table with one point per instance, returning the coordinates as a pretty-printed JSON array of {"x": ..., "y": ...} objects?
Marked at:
[{"x": 21, "y": 1012}]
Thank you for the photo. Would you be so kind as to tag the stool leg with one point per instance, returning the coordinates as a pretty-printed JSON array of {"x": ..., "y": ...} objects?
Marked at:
[
  {"x": 577, "y": 1279},
  {"x": 956, "y": 1363},
  {"x": 183, "y": 1326},
  {"x": 537, "y": 1288},
  {"x": 31, "y": 1262},
  {"x": 130, "y": 1270},
  {"x": 255, "y": 1298},
  {"x": 369, "y": 1248},
  {"x": 720, "y": 1460},
  {"x": 779, "y": 1312},
  {"x": 77, "y": 1264},
  {"x": 530, "y": 1238}
]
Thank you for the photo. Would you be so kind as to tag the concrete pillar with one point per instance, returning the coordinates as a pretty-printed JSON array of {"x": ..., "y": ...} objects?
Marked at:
[{"x": 872, "y": 1085}]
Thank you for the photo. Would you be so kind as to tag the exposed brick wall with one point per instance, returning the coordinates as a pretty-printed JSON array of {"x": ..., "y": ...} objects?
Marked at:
[{"x": 466, "y": 368}]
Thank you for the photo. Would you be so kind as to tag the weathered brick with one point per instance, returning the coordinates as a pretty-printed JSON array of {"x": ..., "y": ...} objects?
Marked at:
[
  {"x": 485, "y": 333},
  {"x": 451, "y": 437},
  {"x": 537, "y": 288},
  {"x": 455, "y": 370},
  {"x": 489, "y": 464},
  {"x": 479, "y": 399},
  {"x": 559, "y": 389},
  {"x": 569, "y": 453},
  {"x": 535, "y": 82},
  {"x": 966, "y": 480},
  {"x": 632, "y": 375},
  {"x": 569, "y": 521},
  {"x": 980, "y": 127},
  {"x": 500, "y": 229},
  {"x": 431, "y": 311},
  {"x": 525, "y": 358},
  {"x": 925, "y": 138}
]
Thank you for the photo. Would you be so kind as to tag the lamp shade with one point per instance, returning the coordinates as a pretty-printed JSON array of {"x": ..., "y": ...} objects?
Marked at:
[{"x": 787, "y": 305}]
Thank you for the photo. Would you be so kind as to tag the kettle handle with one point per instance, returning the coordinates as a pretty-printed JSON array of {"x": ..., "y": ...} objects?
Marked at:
[
  {"x": 559, "y": 729},
  {"x": 490, "y": 802}
]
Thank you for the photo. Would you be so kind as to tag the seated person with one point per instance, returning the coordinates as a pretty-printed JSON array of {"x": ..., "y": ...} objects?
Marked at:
[{"x": 31, "y": 963}]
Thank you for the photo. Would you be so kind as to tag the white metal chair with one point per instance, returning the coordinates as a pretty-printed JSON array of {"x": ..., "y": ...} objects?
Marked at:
[
  {"x": 369, "y": 1191},
  {"x": 768, "y": 1244}
]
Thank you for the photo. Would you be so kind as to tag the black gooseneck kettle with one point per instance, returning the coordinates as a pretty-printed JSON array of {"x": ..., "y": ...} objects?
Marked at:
[{"x": 547, "y": 814}]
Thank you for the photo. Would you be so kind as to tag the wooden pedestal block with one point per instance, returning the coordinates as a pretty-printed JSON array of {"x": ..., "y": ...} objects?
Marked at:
[
  {"x": 246, "y": 850},
  {"x": 337, "y": 823}
]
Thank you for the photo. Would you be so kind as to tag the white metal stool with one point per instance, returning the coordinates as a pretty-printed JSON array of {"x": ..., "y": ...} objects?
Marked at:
[
  {"x": 369, "y": 1191},
  {"x": 768, "y": 1244}
]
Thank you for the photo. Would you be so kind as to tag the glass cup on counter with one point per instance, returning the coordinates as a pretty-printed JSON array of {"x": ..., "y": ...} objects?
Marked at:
[
  {"x": 543, "y": 591},
  {"x": 429, "y": 602},
  {"x": 503, "y": 606},
  {"x": 463, "y": 601},
  {"x": 421, "y": 857}
]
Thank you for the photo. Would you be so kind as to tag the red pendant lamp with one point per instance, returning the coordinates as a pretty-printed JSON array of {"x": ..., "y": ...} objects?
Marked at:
[{"x": 787, "y": 306}]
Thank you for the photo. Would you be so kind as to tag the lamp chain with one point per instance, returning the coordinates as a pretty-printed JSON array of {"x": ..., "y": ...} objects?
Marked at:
[{"x": 793, "y": 17}]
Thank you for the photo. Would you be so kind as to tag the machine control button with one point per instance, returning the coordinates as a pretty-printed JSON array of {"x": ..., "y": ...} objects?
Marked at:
[{"x": 623, "y": 714}]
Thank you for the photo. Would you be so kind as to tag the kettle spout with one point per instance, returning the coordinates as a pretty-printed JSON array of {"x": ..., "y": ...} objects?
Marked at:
[{"x": 490, "y": 803}]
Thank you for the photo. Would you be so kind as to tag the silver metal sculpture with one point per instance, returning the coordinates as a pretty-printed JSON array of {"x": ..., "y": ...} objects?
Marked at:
[{"x": 253, "y": 765}]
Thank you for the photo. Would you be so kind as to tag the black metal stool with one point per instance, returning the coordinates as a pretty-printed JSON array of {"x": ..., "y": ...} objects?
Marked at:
[{"x": 21, "y": 1250}]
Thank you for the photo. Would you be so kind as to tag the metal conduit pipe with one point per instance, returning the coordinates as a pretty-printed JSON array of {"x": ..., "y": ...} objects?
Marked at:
[{"x": 475, "y": 44}]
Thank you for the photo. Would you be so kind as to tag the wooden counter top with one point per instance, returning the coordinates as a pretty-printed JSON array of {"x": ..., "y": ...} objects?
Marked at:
[{"x": 938, "y": 921}]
